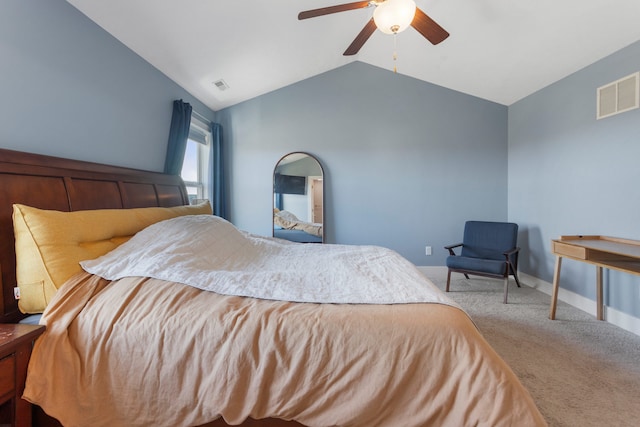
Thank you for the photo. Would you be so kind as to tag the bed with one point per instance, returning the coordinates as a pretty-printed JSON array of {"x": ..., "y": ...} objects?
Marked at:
[
  {"x": 147, "y": 350},
  {"x": 299, "y": 236},
  {"x": 289, "y": 227}
]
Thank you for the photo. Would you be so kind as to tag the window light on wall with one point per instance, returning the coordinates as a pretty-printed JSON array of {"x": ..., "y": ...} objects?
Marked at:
[{"x": 195, "y": 167}]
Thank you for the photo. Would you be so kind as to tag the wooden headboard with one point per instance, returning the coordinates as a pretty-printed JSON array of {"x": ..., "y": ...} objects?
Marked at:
[{"x": 69, "y": 185}]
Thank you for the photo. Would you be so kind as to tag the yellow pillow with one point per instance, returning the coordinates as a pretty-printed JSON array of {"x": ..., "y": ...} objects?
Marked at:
[{"x": 50, "y": 244}]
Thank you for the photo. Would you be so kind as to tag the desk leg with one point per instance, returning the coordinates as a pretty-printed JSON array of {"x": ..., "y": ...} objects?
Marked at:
[
  {"x": 600, "y": 306},
  {"x": 556, "y": 285}
]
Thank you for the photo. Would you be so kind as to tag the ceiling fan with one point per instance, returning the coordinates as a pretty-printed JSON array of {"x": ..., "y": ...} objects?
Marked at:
[{"x": 389, "y": 16}]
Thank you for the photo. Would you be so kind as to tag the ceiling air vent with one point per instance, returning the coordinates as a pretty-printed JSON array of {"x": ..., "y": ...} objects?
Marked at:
[
  {"x": 619, "y": 96},
  {"x": 221, "y": 84}
]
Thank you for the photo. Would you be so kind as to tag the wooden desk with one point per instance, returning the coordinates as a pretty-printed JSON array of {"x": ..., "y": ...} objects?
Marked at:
[{"x": 603, "y": 252}]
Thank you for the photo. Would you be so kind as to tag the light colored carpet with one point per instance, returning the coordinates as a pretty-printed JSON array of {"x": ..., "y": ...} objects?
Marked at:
[{"x": 580, "y": 371}]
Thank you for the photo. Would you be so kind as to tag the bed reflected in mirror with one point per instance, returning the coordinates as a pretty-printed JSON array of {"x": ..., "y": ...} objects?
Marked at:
[{"x": 298, "y": 198}]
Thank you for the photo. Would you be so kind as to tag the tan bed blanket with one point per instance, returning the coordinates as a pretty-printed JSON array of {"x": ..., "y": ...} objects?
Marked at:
[{"x": 146, "y": 352}]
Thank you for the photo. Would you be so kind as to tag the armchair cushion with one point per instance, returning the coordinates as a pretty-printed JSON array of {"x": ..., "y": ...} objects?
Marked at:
[
  {"x": 490, "y": 266},
  {"x": 489, "y": 240}
]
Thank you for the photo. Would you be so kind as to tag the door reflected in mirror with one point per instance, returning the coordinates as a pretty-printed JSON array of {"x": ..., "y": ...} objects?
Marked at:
[{"x": 298, "y": 199}]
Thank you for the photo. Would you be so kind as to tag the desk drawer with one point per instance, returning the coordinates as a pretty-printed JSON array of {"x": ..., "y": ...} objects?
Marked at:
[
  {"x": 560, "y": 248},
  {"x": 7, "y": 374}
]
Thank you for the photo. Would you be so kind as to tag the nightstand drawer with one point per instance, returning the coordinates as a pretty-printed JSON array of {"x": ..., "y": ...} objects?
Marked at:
[{"x": 7, "y": 374}]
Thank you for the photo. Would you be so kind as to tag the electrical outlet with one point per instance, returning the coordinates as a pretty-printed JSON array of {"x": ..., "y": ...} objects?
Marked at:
[{"x": 427, "y": 250}]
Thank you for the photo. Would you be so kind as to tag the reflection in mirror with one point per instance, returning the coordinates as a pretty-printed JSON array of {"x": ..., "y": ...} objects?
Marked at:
[{"x": 298, "y": 199}]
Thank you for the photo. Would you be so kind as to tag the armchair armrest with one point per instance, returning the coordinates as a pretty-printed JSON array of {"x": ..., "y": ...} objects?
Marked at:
[
  {"x": 450, "y": 248},
  {"x": 508, "y": 254},
  {"x": 511, "y": 252}
]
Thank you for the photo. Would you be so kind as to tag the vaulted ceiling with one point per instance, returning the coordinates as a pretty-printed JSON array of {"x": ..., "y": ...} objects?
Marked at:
[{"x": 499, "y": 50}]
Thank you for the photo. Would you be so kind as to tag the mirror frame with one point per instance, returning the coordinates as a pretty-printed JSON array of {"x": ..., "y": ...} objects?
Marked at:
[{"x": 273, "y": 193}]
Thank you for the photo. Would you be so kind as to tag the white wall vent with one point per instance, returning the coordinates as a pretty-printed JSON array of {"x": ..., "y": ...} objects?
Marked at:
[
  {"x": 221, "y": 84},
  {"x": 619, "y": 96}
]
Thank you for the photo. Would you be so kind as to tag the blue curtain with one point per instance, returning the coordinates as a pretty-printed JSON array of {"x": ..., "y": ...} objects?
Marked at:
[
  {"x": 178, "y": 135},
  {"x": 218, "y": 196}
]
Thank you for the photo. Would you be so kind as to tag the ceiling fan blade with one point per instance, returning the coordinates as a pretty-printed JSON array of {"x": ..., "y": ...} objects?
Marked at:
[
  {"x": 361, "y": 38},
  {"x": 428, "y": 27},
  {"x": 332, "y": 9}
]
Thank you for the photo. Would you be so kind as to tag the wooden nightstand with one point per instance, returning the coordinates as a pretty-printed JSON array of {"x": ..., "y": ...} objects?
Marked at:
[{"x": 16, "y": 342}]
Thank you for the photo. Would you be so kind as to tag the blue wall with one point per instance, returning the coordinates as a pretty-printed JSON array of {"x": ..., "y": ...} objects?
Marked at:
[
  {"x": 406, "y": 162},
  {"x": 69, "y": 89},
  {"x": 572, "y": 174}
]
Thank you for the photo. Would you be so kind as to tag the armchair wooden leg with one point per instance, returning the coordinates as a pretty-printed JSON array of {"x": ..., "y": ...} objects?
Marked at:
[
  {"x": 506, "y": 289},
  {"x": 448, "y": 279},
  {"x": 515, "y": 274}
]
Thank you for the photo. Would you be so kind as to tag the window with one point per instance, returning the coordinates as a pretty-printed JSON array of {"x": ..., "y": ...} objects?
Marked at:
[{"x": 195, "y": 168}]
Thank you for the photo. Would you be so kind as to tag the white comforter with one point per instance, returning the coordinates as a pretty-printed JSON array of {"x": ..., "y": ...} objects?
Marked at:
[{"x": 209, "y": 253}]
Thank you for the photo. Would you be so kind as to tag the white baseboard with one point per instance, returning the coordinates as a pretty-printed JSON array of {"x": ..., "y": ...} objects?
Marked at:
[
  {"x": 613, "y": 316},
  {"x": 571, "y": 298}
]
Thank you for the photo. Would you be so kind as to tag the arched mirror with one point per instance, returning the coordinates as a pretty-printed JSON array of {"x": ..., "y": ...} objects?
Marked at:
[{"x": 298, "y": 199}]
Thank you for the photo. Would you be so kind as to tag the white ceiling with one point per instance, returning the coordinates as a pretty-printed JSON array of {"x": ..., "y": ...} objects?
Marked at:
[{"x": 500, "y": 50}]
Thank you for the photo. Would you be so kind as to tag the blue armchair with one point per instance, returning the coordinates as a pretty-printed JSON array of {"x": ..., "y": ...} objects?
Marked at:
[{"x": 488, "y": 249}]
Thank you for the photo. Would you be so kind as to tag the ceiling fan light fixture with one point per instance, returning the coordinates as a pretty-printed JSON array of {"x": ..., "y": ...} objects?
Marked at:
[{"x": 394, "y": 16}]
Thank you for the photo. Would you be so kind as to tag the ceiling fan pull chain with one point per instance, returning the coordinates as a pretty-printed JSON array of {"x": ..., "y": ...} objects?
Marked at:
[{"x": 395, "y": 52}]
